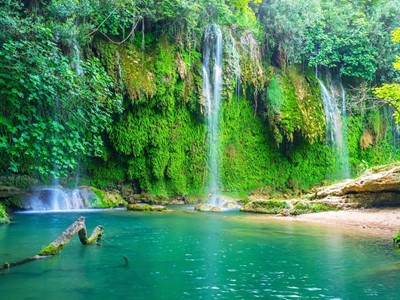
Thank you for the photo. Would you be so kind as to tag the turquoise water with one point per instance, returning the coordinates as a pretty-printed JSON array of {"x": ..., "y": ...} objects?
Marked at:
[{"x": 186, "y": 255}]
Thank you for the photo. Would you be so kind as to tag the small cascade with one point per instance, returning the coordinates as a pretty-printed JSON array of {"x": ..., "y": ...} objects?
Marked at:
[
  {"x": 212, "y": 87},
  {"x": 235, "y": 65},
  {"x": 77, "y": 59},
  {"x": 54, "y": 199},
  {"x": 334, "y": 100}
]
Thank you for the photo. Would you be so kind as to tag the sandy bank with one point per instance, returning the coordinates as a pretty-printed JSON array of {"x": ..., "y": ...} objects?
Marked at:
[{"x": 383, "y": 221}]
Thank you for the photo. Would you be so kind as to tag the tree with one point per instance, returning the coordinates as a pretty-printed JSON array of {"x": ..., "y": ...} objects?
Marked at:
[
  {"x": 51, "y": 114},
  {"x": 391, "y": 91}
]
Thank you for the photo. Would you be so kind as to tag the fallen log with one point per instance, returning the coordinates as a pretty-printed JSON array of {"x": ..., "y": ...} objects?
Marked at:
[{"x": 57, "y": 245}]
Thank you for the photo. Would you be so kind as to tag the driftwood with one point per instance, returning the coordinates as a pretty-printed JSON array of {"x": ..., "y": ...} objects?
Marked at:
[{"x": 57, "y": 245}]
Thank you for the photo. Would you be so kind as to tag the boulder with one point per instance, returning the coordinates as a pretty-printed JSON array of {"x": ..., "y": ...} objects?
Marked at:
[
  {"x": 95, "y": 198},
  {"x": 146, "y": 207},
  {"x": 231, "y": 205},
  {"x": 207, "y": 207}
]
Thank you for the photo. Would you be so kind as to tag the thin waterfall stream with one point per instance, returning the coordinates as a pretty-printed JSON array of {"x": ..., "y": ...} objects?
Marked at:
[
  {"x": 336, "y": 131},
  {"x": 212, "y": 86}
]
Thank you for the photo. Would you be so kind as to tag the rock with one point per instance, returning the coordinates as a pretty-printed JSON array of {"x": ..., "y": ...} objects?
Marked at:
[
  {"x": 146, "y": 207},
  {"x": 231, "y": 205},
  {"x": 379, "y": 186},
  {"x": 207, "y": 207},
  {"x": 95, "y": 198}
]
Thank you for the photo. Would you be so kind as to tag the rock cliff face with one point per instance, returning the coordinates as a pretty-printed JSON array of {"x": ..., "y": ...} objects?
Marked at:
[{"x": 376, "y": 187}]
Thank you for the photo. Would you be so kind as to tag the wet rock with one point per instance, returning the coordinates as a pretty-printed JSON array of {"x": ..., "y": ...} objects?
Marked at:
[
  {"x": 207, "y": 207},
  {"x": 231, "y": 205},
  {"x": 146, "y": 207}
]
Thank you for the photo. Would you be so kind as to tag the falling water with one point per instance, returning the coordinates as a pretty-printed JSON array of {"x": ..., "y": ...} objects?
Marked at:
[
  {"x": 235, "y": 65},
  {"x": 55, "y": 199},
  {"x": 345, "y": 148},
  {"x": 77, "y": 58},
  {"x": 336, "y": 131},
  {"x": 212, "y": 86}
]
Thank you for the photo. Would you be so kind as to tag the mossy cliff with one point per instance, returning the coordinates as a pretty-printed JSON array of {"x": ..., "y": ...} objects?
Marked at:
[{"x": 272, "y": 127}]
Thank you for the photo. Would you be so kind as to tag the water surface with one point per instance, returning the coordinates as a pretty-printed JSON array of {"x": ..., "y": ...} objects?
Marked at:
[{"x": 187, "y": 255}]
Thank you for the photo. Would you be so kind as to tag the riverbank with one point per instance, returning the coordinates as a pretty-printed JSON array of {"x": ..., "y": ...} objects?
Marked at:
[{"x": 382, "y": 221}]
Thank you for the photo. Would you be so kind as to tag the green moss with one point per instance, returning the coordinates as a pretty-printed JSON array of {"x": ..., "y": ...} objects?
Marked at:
[
  {"x": 294, "y": 107},
  {"x": 50, "y": 250},
  {"x": 396, "y": 239},
  {"x": 3, "y": 214},
  {"x": 305, "y": 208},
  {"x": 385, "y": 140},
  {"x": 158, "y": 144},
  {"x": 267, "y": 206},
  {"x": 104, "y": 199},
  {"x": 146, "y": 207}
]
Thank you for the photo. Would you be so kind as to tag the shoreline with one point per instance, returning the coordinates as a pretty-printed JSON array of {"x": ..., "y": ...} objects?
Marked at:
[{"x": 381, "y": 221}]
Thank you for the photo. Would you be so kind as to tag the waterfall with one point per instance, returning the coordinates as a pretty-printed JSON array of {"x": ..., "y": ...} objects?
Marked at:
[
  {"x": 212, "y": 86},
  {"x": 77, "y": 58},
  {"x": 234, "y": 63},
  {"x": 336, "y": 128},
  {"x": 54, "y": 199}
]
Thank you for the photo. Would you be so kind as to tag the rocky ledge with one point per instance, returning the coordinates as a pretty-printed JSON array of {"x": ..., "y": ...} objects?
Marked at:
[{"x": 376, "y": 187}]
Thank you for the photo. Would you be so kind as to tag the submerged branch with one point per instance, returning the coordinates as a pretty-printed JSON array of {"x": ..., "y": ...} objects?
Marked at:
[{"x": 57, "y": 245}]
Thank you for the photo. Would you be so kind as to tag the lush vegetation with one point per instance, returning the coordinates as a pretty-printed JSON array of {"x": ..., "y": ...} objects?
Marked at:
[{"x": 112, "y": 91}]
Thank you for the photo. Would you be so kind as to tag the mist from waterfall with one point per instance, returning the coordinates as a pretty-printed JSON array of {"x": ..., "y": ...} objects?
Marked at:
[
  {"x": 212, "y": 87},
  {"x": 334, "y": 98}
]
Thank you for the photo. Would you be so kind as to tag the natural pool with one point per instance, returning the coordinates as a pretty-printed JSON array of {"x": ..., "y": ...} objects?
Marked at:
[{"x": 187, "y": 255}]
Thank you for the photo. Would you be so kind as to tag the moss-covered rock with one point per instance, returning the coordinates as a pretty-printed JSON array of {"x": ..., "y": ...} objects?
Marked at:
[
  {"x": 95, "y": 198},
  {"x": 266, "y": 206},
  {"x": 207, "y": 207},
  {"x": 146, "y": 207},
  {"x": 288, "y": 207}
]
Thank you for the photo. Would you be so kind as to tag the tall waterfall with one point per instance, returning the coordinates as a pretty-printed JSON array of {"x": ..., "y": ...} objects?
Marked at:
[
  {"x": 212, "y": 86},
  {"x": 336, "y": 129}
]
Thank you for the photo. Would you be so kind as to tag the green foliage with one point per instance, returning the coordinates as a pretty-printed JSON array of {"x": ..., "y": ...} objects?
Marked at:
[
  {"x": 396, "y": 239},
  {"x": 50, "y": 115},
  {"x": 293, "y": 107},
  {"x": 384, "y": 147},
  {"x": 3, "y": 214},
  {"x": 160, "y": 137},
  {"x": 391, "y": 92},
  {"x": 275, "y": 96},
  {"x": 338, "y": 34},
  {"x": 61, "y": 106},
  {"x": 287, "y": 23}
]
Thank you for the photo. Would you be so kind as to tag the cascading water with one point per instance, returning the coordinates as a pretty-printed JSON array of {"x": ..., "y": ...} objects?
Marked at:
[
  {"x": 212, "y": 86},
  {"x": 55, "y": 199},
  {"x": 336, "y": 131}
]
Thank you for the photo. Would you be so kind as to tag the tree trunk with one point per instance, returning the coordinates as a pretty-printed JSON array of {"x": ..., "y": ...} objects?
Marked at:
[{"x": 57, "y": 245}]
